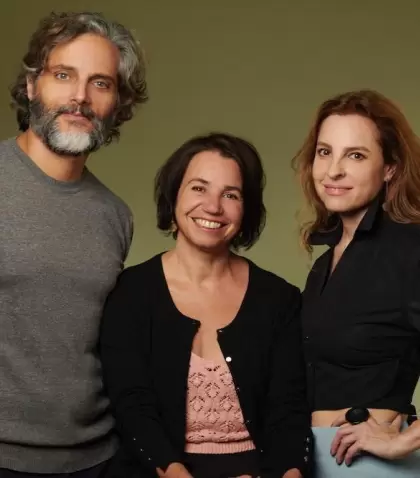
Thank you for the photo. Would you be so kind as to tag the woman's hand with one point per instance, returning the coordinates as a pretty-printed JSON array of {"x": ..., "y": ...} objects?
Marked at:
[
  {"x": 370, "y": 436},
  {"x": 293, "y": 473},
  {"x": 175, "y": 470}
]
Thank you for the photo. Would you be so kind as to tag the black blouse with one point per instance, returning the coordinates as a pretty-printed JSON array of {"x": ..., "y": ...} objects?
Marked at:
[
  {"x": 145, "y": 347},
  {"x": 361, "y": 324}
]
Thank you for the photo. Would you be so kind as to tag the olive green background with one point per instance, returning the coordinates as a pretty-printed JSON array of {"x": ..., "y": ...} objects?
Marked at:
[{"x": 254, "y": 68}]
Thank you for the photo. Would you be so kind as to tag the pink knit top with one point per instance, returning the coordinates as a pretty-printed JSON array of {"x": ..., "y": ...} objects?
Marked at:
[{"x": 214, "y": 417}]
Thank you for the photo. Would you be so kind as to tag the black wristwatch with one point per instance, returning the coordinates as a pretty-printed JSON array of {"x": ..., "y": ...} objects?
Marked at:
[{"x": 357, "y": 415}]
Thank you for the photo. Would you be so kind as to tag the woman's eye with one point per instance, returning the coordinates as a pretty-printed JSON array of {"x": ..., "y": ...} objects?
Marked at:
[
  {"x": 322, "y": 152},
  {"x": 231, "y": 196},
  {"x": 357, "y": 155}
]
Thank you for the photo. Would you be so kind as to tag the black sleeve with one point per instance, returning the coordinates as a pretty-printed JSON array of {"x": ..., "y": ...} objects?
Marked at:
[
  {"x": 124, "y": 348},
  {"x": 288, "y": 435},
  {"x": 413, "y": 296}
]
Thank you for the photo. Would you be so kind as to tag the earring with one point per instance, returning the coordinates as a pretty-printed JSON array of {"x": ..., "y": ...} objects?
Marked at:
[{"x": 385, "y": 203}]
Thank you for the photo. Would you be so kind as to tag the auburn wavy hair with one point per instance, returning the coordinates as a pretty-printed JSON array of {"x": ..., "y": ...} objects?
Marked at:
[{"x": 400, "y": 147}]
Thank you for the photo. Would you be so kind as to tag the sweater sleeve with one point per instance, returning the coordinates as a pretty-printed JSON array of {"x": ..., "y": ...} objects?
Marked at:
[
  {"x": 287, "y": 433},
  {"x": 124, "y": 351}
]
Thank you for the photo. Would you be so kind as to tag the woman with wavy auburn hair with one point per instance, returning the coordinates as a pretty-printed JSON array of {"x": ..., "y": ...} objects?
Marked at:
[{"x": 359, "y": 170}]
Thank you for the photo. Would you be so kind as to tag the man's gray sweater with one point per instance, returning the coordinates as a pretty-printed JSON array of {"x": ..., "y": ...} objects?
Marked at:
[{"x": 62, "y": 246}]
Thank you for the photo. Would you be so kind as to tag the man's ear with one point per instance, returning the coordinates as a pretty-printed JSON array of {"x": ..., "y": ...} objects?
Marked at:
[{"x": 30, "y": 88}]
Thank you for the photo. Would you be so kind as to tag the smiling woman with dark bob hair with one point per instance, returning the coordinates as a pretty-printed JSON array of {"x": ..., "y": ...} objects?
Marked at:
[
  {"x": 201, "y": 348},
  {"x": 169, "y": 179}
]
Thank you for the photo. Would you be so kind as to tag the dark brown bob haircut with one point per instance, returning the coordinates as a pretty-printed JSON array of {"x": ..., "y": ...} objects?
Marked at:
[{"x": 169, "y": 178}]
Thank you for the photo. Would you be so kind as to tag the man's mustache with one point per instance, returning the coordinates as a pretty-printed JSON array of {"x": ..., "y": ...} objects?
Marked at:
[{"x": 83, "y": 110}]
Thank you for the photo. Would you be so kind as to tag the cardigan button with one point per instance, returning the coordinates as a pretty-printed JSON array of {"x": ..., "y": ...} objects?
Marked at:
[{"x": 228, "y": 359}]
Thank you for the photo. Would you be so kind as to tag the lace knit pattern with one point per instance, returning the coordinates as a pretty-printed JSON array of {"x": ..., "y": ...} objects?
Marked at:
[{"x": 215, "y": 422}]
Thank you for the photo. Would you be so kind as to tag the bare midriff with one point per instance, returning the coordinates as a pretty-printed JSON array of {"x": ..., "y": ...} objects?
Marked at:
[{"x": 325, "y": 418}]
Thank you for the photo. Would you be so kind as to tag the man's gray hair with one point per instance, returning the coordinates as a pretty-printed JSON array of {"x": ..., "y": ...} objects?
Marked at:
[{"x": 59, "y": 28}]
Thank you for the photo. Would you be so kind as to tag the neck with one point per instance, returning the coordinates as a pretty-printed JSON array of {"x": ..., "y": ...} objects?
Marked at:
[
  {"x": 200, "y": 266},
  {"x": 61, "y": 168},
  {"x": 350, "y": 224}
]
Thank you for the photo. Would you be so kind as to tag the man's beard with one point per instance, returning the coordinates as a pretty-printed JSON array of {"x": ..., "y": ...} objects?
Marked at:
[{"x": 44, "y": 123}]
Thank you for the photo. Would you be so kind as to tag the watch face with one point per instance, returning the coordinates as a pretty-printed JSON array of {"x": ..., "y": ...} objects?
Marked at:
[{"x": 357, "y": 415}]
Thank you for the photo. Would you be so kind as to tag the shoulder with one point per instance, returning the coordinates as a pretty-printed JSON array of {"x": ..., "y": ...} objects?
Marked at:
[
  {"x": 110, "y": 208},
  {"x": 136, "y": 284},
  {"x": 134, "y": 289},
  {"x": 275, "y": 303},
  {"x": 147, "y": 272},
  {"x": 319, "y": 264},
  {"x": 407, "y": 232},
  {"x": 9, "y": 150},
  {"x": 402, "y": 240},
  {"x": 7, "y": 145},
  {"x": 126, "y": 315},
  {"x": 108, "y": 196},
  {"x": 273, "y": 288},
  {"x": 271, "y": 280}
]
